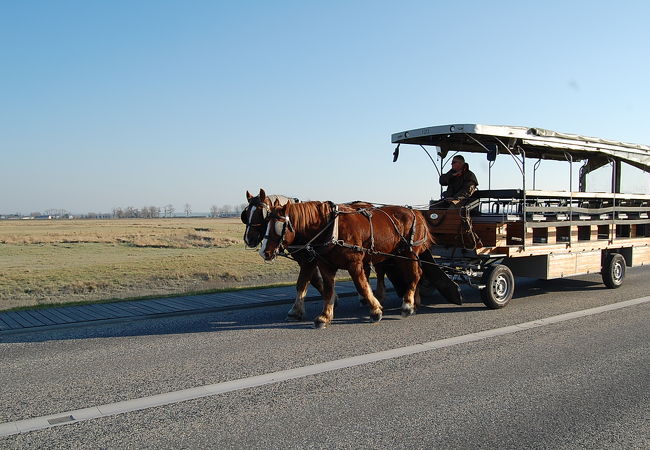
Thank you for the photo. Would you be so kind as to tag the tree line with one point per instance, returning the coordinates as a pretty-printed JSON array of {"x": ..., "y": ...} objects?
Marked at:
[
  {"x": 154, "y": 212},
  {"x": 130, "y": 212}
]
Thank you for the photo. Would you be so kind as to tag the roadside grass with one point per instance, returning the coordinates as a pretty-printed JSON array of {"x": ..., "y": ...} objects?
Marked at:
[{"x": 63, "y": 262}]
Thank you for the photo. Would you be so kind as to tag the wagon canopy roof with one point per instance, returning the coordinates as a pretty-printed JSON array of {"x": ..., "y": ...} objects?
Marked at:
[{"x": 535, "y": 143}]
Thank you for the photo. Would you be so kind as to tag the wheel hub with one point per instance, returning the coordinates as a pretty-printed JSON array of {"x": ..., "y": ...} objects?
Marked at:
[
  {"x": 500, "y": 287},
  {"x": 618, "y": 271}
]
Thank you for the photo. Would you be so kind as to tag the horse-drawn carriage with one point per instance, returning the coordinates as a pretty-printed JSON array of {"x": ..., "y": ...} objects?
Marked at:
[
  {"x": 484, "y": 242},
  {"x": 502, "y": 233}
]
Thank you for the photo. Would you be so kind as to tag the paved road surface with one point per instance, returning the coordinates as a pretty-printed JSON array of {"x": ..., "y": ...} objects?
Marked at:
[{"x": 579, "y": 383}]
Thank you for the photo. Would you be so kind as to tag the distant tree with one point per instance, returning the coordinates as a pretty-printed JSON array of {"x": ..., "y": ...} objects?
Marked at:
[
  {"x": 131, "y": 212},
  {"x": 91, "y": 215},
  {"x": 214, "y": 211},
  {"x": 35, "y": 214},
  {"x": 150, "y": 212},
  {"x": 169, "y": 210},
  {"x": 188, "y": 209}
]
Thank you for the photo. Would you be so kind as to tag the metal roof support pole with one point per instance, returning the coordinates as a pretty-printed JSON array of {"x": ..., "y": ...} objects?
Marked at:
[
  {"x": 616, "y": 177},
  {"x": 523, "y": 205},
  {"x": 570, "y": 159},
  {"x": 616, "y": 170},
  {"x": 535, "y": 167},
  {"x": 490, "y": 164},
  {"x": 521, "y": 165}
]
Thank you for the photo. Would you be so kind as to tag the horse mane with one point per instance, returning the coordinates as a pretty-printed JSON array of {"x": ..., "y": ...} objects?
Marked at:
[{"x": 308, "y": 214}]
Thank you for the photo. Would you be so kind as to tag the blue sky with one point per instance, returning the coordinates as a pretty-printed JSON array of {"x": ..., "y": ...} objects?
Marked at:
[{"x": 138, "y": 103}]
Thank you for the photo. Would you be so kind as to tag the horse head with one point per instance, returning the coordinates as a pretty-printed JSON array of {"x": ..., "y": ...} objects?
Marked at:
[
  {"x": 280, "y": 232},
  {"x": 255, "y": 217}
]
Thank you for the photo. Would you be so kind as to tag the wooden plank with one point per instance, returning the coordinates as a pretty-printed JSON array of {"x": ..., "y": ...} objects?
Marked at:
[
  {"x": 10, "y": 321},
  {"x": 83, "y": 312},
  {"x": 4, "y": 325},
  {"x": 162, "y": 307},
  {"x": 76, "y": 314},
  {"x": 561, "y": 265},
  {"x": 588, "y": 262},
  {"x": 19, "y": 319},
  {"x": 170, "y": 303},
  {"x": 96, "y": 311},
  {"x": 117, "y": 311},
  {"x": 31, "y": 319},
  {"x": 107, "y": 312},
  {"x": 137, "y": 307},
  {"x": 52, "y": 317},
  {"x": 211, "y": 302},
  {"x": 46, "y": 320}
]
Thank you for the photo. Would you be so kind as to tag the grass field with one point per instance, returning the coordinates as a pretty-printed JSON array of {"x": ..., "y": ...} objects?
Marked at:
[{"x": 62, "y": 261}]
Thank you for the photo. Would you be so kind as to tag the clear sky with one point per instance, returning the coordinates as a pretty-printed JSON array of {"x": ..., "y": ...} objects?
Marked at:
[{"x": 137, "y": 103}]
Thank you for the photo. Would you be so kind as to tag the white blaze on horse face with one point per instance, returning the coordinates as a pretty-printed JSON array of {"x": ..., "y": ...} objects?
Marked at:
[
  {"x": 278, "y": 228},
  {"x": 248, "y": 225},
  {"x": 265, "y": 240}
]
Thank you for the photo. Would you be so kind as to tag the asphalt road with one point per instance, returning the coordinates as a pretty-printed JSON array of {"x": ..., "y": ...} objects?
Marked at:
[{"x": 582, "y": 383}]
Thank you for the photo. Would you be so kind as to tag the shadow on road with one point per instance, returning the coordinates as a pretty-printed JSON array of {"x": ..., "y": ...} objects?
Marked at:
[{"x": 348, "y": 312}]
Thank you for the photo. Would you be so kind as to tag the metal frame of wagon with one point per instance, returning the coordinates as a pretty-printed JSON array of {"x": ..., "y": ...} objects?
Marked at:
[{"x": 519, "y": 223}]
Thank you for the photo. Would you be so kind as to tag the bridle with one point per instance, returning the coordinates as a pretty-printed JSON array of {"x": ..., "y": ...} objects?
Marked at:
[
  {"x": 280, "y": 239},
  {"x": 253, "y": 204}
]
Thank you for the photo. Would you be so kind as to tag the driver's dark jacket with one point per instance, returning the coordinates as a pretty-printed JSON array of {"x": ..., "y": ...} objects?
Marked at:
[{"x": 459, "y": 187}]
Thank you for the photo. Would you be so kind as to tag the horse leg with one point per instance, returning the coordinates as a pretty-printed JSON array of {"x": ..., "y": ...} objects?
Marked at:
[
  {"x": 317, "y": 282},
  {"x": 306, "y": 274},
  {"x": 366, "y": 270},
  {"x": 411, "y": 274},
  {"x": 363, "y": 287},
  {"x": 329, "y": 296},
  {"x": 380, "y": 291}
]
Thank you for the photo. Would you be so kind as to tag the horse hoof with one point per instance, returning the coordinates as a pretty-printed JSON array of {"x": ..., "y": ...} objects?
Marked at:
[
  {"x": 319, "y": 325},
  {"x": 293, "y": 318},
  {"x": 376, "y": 317},
  {"x": 407, "y": 312}
]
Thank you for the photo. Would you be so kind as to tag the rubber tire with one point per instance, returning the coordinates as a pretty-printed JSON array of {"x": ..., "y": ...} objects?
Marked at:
[
  {"x": 496, "y": 278},
  {"x": 613, "y": 271}
]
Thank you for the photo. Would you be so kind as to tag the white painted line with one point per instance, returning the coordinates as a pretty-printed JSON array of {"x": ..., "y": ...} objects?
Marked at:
[{"x": 111, "y": 409}]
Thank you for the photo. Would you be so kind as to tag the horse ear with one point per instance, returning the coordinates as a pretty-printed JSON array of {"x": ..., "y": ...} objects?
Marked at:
[
  {"x": 276, "y": 202},
  {"x": 262, "y": 195},
  {"x": 248, "y": 195}
]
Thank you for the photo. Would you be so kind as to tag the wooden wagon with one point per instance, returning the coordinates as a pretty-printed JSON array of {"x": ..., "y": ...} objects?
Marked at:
[{"x": 502, "y": 233}]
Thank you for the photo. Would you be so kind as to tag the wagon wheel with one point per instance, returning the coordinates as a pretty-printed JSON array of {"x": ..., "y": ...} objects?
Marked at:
[
  {"x": 499, "y": 286},
  {"x": 613, "y": 271}
]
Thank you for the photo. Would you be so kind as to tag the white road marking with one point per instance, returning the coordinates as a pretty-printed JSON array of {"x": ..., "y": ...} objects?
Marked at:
[{"x": 111, "y": 409}]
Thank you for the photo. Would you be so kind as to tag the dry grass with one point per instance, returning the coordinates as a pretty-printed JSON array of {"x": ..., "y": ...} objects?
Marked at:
[{"x": 44, "y": 262}]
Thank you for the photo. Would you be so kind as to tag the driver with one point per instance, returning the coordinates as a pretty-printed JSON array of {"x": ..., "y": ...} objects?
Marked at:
[{"x": 460, "y": 181}]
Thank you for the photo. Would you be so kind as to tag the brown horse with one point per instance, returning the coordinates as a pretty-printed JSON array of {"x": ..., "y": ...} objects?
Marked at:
[
  {"x": 349, "y": 239},
  {"x": 256, "y": 218}
]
